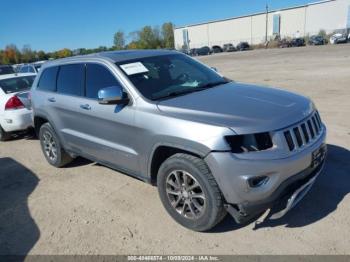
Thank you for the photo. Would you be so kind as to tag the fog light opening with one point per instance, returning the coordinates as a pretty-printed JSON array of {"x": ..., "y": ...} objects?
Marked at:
[{"x": 255, "y": 182}]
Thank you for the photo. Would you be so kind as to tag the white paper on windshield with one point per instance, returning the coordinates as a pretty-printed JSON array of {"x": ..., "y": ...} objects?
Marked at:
[{"x": 134, "y": 68}]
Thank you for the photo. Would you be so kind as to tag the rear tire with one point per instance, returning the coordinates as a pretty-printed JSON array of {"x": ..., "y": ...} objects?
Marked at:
[
  {"x": 190, "y": 193},
  {"x": 52, "y": 148},
  {"x": 4, "y": 135}
]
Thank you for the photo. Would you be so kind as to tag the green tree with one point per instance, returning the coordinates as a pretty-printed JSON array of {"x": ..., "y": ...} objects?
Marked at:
[
  {"x": 65, "y": 52},
  {"x": 149, "y": 38},
  {"x": 168, "y": 35},
  {"x": 28, "y": 55},
  {"x": 119, "y": 40},
  {"x": 41, "y": 55}
]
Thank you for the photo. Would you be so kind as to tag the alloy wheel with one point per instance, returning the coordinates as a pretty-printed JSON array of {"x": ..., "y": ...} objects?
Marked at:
[
  {"x": 185, "y": 194},
  {"x": 50, "y": 147}
]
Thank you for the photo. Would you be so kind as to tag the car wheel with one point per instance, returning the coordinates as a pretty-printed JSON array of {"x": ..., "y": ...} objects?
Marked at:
[
  {"x": 52, "y": 148},
  {"x": 190, "y": 193},
  {"x": 4, "y": 135}
]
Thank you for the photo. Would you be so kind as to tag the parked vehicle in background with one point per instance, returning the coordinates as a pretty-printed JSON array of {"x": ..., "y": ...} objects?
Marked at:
[
  {"x": 216, "y": 49},
  {"x": 205, "y": 50},
  {"x": 213, "y": 145},
  {"x": 31, "y": 68},
  {"x": 297, "y": 42},
  {"x": 317, "y": 40},
  {"x": 338, "y": 38},
  {"x": 284, "y": 43},
  {"x": 229, "y": 48},
  {"x": 6, "y": 69},
  {"x": 242, "y": 46},
  {"x": 15, "y": 110}
]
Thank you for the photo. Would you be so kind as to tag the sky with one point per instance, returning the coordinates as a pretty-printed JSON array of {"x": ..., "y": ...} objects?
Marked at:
[{"x": 51, "y": 25}]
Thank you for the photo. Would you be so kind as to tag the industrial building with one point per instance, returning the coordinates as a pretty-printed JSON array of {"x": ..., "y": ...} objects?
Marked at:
[{"x": 298, "y": 21}]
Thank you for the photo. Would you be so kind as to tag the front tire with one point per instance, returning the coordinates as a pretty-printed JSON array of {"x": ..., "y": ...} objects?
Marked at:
[
  {"x": 52, "y": 148},
  {"x": 4, "y": 135},
  {"x": 190, "y": 193}
]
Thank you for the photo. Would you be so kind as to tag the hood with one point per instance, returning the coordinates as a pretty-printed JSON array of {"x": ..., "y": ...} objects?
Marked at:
[{"x": 241, "y": 107}]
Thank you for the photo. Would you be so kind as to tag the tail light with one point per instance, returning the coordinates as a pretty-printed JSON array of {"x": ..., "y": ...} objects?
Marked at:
[{"x": 14, "y": 103}]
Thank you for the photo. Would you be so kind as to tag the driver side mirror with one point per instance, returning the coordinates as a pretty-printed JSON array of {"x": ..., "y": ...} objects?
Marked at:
[{"x": 112, "y": 95}]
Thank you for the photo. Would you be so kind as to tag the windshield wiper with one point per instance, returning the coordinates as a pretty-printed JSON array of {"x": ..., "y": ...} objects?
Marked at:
[
  {"x": 197, "y": 89},
  {"x": 213, "y": 84},
  {"x": 179, "y": 93}
]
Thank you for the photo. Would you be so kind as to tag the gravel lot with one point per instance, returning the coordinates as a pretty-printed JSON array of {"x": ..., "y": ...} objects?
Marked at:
[{"x": 90, "y": 209}]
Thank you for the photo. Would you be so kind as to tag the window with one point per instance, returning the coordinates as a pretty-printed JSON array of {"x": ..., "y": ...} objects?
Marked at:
[
  {"x": 70, "y": 79},
  {"x": 98, "y": 77},
  {"x": 276, "y": 24},
  {"x": 17, "y": 84},
  {"x": 31, "y": 69},
  {"x": 24, "y": 69},
  {"x": 6, "y": 70},
  {"x": 47, "y": 80}
]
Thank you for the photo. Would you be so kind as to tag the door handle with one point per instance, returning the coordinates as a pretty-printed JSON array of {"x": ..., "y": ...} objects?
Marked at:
[
  {"x": 85, "y": 107},
  {"x": 52, "y": 99}
]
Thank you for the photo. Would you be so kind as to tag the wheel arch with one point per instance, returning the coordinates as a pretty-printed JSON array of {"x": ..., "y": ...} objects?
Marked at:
[{"x": 161, "y": 152}]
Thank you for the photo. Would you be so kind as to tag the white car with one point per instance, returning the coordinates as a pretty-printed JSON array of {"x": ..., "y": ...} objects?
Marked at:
[
  {"x": 15, "y": 110},
  {"x": 338, "y": 38},
  {"x": 31, "y": 68}
]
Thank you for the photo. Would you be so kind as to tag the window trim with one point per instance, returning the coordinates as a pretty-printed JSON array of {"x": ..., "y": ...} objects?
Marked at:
[
  {"x": 116, "y": 79},
  {"x": 118, "y": 75},
  {"x": 59, "y": 70},
  {"x": 41, "y": 75}
]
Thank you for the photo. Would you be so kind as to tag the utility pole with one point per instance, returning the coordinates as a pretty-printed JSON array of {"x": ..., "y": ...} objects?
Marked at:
[{"x": 267, "y": 22}]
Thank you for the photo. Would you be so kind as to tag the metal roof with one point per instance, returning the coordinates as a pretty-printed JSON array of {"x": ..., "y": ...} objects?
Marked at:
[{"x": 254, "y": 14}]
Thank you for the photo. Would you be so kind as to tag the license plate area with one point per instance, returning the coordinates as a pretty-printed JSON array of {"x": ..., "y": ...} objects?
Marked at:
[{"x": 318, "y": 156}]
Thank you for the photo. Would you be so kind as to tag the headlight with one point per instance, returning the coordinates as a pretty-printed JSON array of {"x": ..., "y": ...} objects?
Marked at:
[{"x": 249, "y": 143}]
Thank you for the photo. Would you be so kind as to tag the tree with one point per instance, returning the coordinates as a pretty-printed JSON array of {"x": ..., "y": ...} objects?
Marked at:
[
  {"x": 65, "y": 52},
  {"x": 149, "y": 38},
  {"x": 323, "y": 33},
  {"x": 41, "y": 55},
  {"x": 11, "y": 55},
  {"x": 168, "y": 35},
  {"x": 119, "y": 40},
  {"x": 28, "y": 55}
]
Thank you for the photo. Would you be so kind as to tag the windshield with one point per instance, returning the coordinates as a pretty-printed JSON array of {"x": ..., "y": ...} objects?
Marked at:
[
  {"x": 17, "y": 84},
  {"x": 167, "y": 76}
]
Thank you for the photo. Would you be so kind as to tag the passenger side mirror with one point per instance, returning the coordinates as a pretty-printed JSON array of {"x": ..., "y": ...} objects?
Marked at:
[
  {"x": 215, "y": 69},
  {"x": 112, "y": 95}
]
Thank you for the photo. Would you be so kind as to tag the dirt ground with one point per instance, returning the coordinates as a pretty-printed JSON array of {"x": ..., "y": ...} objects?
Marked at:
[{"x": 90, "y": 209}]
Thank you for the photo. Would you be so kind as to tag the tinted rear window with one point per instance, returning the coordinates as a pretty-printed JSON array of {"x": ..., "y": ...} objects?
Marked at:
[
  {"x": 98, "y": 77},
  {"x": 47, "y": 80},
  {"x": 24, "y": 69},
  {"x": 6, "y": 70},
  {"x": 16, "y": 84},
  {"x": 70, "y": 79},
  {"x": 31, "y": 69}
]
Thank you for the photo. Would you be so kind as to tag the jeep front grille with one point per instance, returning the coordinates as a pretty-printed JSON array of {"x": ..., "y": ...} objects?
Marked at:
[{"x": 304, "y": 132}]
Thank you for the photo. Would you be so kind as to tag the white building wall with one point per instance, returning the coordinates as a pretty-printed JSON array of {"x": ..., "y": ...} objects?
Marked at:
[
  {"x": 178, "y": 39},
  {"x": 328, "y": 16},
  {"x": 299, "y": 21},
  {"x": 293, "y": 22},
  {"x": 230, "y": 31},
  {"x": 198, "y": 36},
  {"x": 259, "y": 28}
]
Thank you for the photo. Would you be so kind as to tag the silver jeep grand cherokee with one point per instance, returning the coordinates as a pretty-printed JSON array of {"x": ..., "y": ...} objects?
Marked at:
[{"x": 211, "y": 145}]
